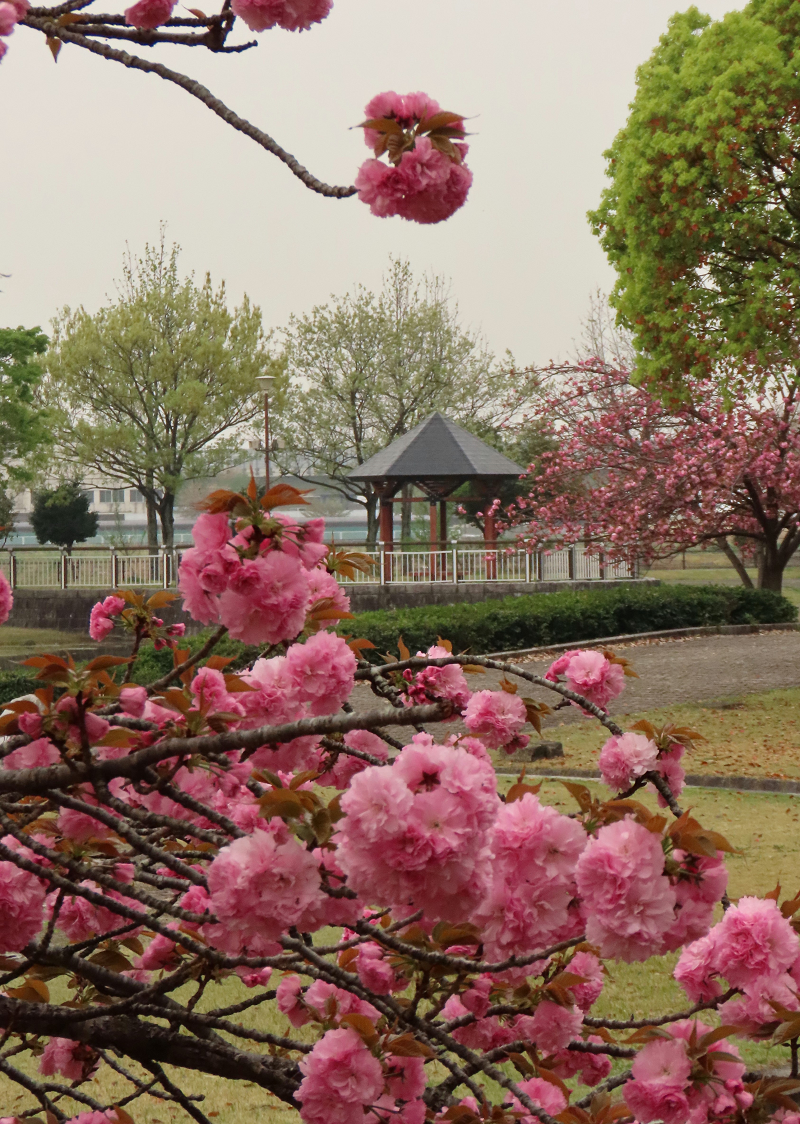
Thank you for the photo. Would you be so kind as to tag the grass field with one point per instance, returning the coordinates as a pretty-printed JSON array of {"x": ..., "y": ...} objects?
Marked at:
[
  {"x": 29, "y": 641},
  {"x": 722, "y": 575},
  {"x": 749, "y": 735},
  {"x": 764, "y": 829}
]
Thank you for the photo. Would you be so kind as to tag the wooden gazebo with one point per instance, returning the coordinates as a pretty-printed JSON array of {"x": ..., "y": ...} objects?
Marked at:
[{"x": 437, "y": 456}]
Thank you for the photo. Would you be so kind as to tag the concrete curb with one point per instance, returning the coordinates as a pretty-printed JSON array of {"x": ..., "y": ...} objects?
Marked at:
[
  {"x": 766, "y": 785},
  {"x": 663, "y": 634}
]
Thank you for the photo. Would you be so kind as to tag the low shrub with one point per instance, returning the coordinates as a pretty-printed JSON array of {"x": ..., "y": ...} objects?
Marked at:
[
  {"x": 552, "y": 618},
  {"x": 513, "y": 622},
  {"x": 14, "y": 683}
]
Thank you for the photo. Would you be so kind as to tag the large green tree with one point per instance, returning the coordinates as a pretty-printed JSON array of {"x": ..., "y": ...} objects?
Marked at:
[
  {"x": 701, "y": 219},
  {"x": 367, "y": 367},
  {"x": 154, "y": 389},
  {"x": 24, "y": 425}
]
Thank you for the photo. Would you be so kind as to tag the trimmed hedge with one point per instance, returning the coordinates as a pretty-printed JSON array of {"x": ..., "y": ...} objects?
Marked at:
[
  {"x": 515, "y": 622},
  {"x": 16, "y": 683},
  {"x": 553, "y": 618}
]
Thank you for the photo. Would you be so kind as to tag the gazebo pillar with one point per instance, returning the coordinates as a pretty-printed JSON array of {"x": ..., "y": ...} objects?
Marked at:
[
  {"x": 386, "y": 531},
  {"x": 490, "y": 539}
]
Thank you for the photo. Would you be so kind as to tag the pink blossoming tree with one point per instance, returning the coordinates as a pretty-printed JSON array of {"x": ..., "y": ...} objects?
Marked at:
[
  {"x": 643, "y": 479},
  {"x": 425, "y": 179},
  {"x": 177, "y": 856}
]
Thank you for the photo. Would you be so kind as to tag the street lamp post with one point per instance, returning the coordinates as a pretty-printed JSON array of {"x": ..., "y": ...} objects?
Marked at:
[{"x": 266, "y": 380}]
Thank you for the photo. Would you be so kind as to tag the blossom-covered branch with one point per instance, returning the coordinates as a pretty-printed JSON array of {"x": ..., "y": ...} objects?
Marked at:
[{"x": 174, "y": 851}]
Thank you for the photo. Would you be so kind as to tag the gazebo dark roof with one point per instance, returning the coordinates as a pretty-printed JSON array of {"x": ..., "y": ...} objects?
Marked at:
[{"x": 436, "y": 449}]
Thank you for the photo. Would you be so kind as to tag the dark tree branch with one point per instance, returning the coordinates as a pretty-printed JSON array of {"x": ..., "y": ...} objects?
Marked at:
[{"x": 53, "y": 30}]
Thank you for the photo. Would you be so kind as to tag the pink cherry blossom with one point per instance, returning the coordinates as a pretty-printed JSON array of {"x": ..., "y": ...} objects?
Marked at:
[
  {"x": 322, "y": 671},
  {"x": 587, "y": 964},
  {"x": 551, "y": 1027},
  {"x": 132, "y": 700},
  {"x": 6, "y": 596},
  {"x": 589, "y": 674},
  {"x": 341, "y": 1077},
  {"x": 274, "y": 698},
  {"x": 291, "y": 15},
  {"x": 418, "y": 831},
  {"x": 346, "y": 766},
  {"x": 426, "y": 186},
  {"x": 624, "y": 759},
  {"x": 94, "y": 1118},
  {"x": 259, "y": 888},
  {"x": 10, "y": 15},
  {"x": 695, "y": 970},
  {"x": 331, "y": 1002},
  {"x": 22, "y": 900},
  {"x": 324, "y": 586},
  {"x": 446, "y": 682},
  {"x": 149, "y": 13},
  {"x": 34, "y": 755},
  {"x": 100, "y": 618},
  {"x": 627, "y": 897},
  {"x": 496, "y": 717},
  {"x": 71, "y": 1059},
  {"x": 81, "y": 919},
  {"x": 660, "y": 1077},
  {"x": 592, "y": 1068},
  {"x": 544, "y": 1094},
  {"x": 753, "y": 939},
  {"x": 271, "y": 605}
]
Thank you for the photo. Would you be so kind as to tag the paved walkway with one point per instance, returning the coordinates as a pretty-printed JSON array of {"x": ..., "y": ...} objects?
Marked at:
[{"x": 698, "y": 669}]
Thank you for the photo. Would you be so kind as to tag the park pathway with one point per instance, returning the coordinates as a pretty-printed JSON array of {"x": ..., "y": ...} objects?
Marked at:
[{"x": 691, "y": 670}]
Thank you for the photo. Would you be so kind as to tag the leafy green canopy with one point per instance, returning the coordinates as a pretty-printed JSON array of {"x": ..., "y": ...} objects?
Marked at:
[
  {"x": 24, "y": 430},
  {"x": 702, "y": 216},
  {"x": 153, "y": 389},
  {"x": 61, "y": 515}
]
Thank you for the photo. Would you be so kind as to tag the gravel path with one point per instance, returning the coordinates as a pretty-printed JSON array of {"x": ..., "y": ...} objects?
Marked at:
[{"x": 697, "y": 669}]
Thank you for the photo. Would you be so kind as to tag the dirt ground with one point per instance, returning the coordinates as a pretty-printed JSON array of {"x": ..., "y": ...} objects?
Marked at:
[{"x": 693, "y": 670}]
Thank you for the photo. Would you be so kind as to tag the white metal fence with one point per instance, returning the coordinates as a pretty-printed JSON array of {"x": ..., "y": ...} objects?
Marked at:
[
  {"x": 470, "y": 563},
  {"x": 42, "y": 568}
]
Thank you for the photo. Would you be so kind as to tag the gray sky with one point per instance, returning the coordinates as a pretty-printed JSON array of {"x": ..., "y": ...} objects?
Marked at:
[{"x": 94, "y": 156}]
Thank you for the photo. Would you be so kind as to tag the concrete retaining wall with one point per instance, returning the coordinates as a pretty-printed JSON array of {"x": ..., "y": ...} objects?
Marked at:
[{"x": 68, "y": 609}]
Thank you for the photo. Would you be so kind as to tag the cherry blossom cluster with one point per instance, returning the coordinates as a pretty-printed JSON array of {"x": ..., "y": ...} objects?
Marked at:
[
  {"x": 259, "y": 15},
  {"x": 425, "y": 179},
  {"x": 188, "y": 852}
]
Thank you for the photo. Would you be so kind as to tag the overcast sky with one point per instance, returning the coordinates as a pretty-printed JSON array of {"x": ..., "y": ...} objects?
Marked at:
[{"x": 94, "y": 156}]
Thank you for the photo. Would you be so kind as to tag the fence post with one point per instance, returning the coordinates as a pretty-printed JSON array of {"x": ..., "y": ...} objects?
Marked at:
[
  {"x": 527, "y": 566},
  {"x": 455, "y": 564},
  {"x": 383, "y": 563},
  {"x": 114, "y": 570},
  {"x": 63, "y": 571},
  {"x": 12, "y": 569},
  {"x": 571, "y": 563},
  {"x": 164, "y": 565}
]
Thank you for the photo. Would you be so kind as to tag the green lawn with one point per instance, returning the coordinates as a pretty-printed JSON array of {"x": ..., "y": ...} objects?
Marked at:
[
  {"x": 746, "y": 735},
  {"x": 722, "y": 575},
  {"x": 762, "y": 828}
]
